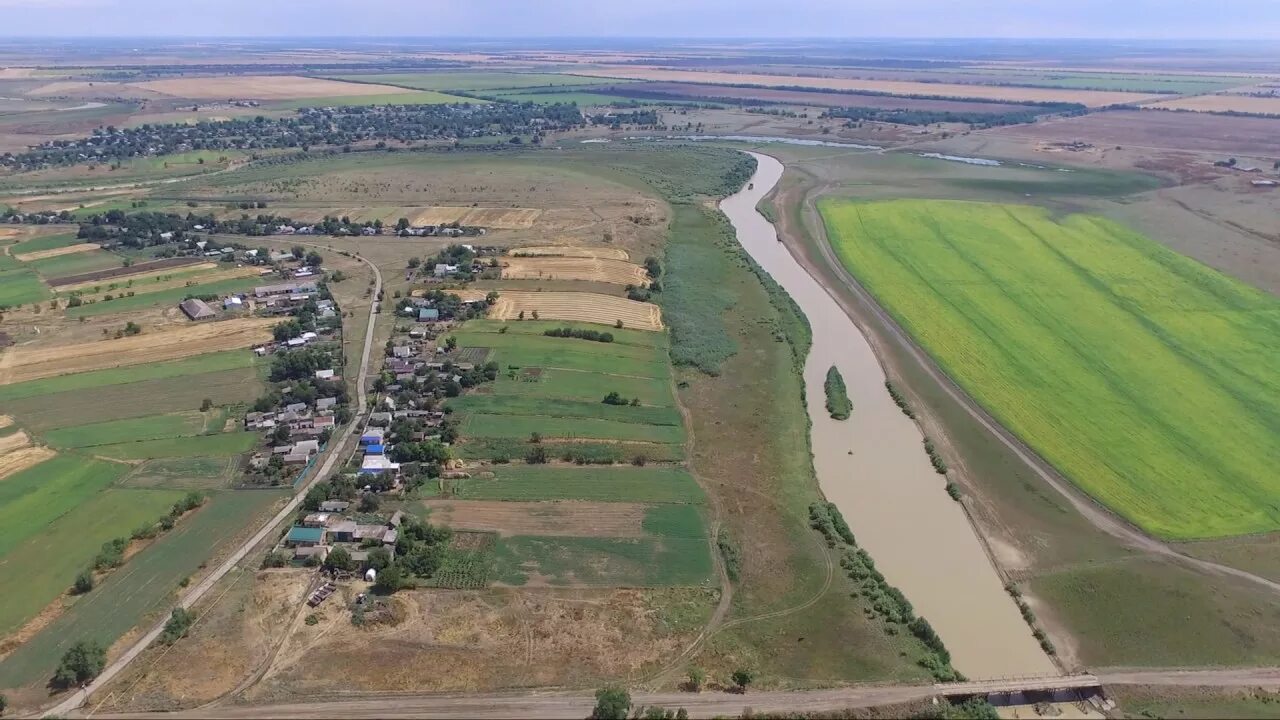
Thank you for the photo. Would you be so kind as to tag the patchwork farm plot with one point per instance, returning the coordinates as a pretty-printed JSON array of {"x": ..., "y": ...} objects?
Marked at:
[
  {"x": 1139, "y": 373},
  {"x": 618, "y": 272},
  {"x": 578, "y": 307},
  {"x": 579, "y": 442}
]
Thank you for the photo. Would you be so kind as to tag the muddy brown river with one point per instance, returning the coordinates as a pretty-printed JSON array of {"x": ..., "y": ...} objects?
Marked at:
[{"x": 874, "y": 468}]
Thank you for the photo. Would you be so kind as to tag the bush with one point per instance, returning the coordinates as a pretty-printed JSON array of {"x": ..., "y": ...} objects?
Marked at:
[
  {"x": 729, "y": 554},
  {"x": 80, "y": 663},
  {"x": 954, "y": 491},
  {"x": 111, "y": 555},
  {"x": 180, "y": 622},
  {"x": 84, "y": 582},
  {"x": 612, "y": 703},
  {"x": 275, "y": 560},
  {"x": 899, "y": 399},
  {"x": 592, "y": 335},
  {"x": 838, "y": 403}
]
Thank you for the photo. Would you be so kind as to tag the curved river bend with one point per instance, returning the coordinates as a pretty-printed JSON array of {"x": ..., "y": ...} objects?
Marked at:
[{"x": 874, "y": 468}]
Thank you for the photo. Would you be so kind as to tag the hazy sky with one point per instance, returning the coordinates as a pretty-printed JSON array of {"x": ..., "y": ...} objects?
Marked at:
[{"x": 648, "y": 18}]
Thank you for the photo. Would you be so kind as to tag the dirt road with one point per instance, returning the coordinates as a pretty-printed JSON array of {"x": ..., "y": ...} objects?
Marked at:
[{"x": 78, "y": 698}]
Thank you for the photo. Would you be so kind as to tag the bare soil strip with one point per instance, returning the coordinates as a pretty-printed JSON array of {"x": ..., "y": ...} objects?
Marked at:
[
  {"x": 591, "y": 269},
  {"x": 23, "y": 458},
  {"x": 55, "y": 252},
  {"x": 12, "y": 442},
  {"x": 571, "y": 251},
  {"x": 145, "y": 273},
  {"x": 497, "y": 218},
  {"x": 263, "y": 87},
  {"x": 564, "y": 519},
  {"x": 23, "y": 364},
  {"x": 5, "y": 421},
  {"x": 1223, "y": 103}
]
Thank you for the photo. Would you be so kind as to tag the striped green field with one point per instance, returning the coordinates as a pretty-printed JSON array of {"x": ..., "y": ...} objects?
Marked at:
[
  {"x": 655, "y": 484},
  {"x": 522, "y": 426},
  {"x": 212, "y": 362},
  {"x": 144, "y": 585},
  {"x": 20, "y": 286},
  {"x": 150, "y": 427},
  {"x": 76, "y": 263},
  {"x": 35, "y": 497},
  {"x": 45, "y": 242},
  {"x": 172, "y": 296},
  {"x": 232, "y": 443},
  {"x": 1145, "y": 377}
]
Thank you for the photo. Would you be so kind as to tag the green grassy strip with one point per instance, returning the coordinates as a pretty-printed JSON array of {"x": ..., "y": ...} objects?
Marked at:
[
  {"x": 232, "y": 443},
  {"x": 212, "y": 362},
  {"x": 515, "y": 405},
  {"x": 591, "y": 453},
  {"x": 608, "y": 562},
  {"x": 35, "y": 497},
  {"x": 172, "y": 296},
  {"x": 150, "y": 427},
  {"x": 655, "y": 484},
  {"x": 480, "y": 425}
]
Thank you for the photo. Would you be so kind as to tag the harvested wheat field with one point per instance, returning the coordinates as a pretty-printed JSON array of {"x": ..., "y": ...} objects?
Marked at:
[
  {"x": 591, "y": 269},
  {"x": 577, "y": 306},
  {"x": 55, "y": 252},
  {"x": 1224, "y": 103},
  {"x": 263, "y": 87},
  {"x": 563, "y": 519},
  {"x": 1091, "y": 98},
  {"x": 16, "y": 461},
  {"x": 13, "y": 441},
  {"x": 25, "y": 363},
  {"x": 577, "y": 251},
  {"x": 496, "y": 218},
  {"x": 186, "y": 271}
]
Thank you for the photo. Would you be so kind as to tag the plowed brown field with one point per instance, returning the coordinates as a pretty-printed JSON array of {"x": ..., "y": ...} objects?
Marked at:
[
  {"x": 592, "y": 269},
  {"x": 55, "y": 252},
  {"x": 571, "y": 251},
  {"x": 497, "y": 218},
  {"x": 187, "y": 270},
  {"x": 577, "y": 306},
  {"x": 565, "y": 519},
  {"x": 26, "y": 363}
]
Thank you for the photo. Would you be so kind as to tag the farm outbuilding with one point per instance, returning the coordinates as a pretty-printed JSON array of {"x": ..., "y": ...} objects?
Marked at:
[
  {"x": 197, "y": 309},
  {"x": 300, "y": 536}
]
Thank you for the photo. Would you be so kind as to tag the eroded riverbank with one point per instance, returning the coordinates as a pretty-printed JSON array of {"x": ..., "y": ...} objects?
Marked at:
[{"x": 874, "y": 468}]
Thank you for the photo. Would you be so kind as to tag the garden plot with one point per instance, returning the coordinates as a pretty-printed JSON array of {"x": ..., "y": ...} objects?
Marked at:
[
  {"x": 563, "y": 519},
  {"x": 582, "y": 307},
  {"x": 618, "y": 272}
]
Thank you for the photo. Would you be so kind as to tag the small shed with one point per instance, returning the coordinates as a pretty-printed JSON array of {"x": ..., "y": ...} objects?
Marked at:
[{"x": 197, "y": 309}]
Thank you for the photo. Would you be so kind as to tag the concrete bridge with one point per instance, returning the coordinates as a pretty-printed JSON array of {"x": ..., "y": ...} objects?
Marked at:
[{"x": 1017, "y": 685}]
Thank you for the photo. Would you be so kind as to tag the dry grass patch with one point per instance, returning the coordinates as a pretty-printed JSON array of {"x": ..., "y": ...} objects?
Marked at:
[
  {"x": 1091, "y": 98},
  {"x": 263, "y": 87},
  {"x": 13, "y": 441},
  {"x": 576, "y": 251},
  {"x": 497, "y": 218},
  {"x": 574, "y": 306},
  {"x": 564, "y": 519},
  {"x": 149, "y": 273},
  {"x": 618, "y": 272},
  {"x": 33, "y": 363},
  {"x": 18, "y": 460},
  {"x": 5, "y": 421},
  {"x": 55, "y": 252},
  {"x": 1224, "y": 103}
]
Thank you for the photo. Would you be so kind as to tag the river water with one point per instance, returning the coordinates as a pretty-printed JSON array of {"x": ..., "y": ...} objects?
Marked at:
[{"x": 874, "y": 468}]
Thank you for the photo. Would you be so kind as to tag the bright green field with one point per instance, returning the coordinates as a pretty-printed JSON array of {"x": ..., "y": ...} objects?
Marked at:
[
  {"x": 518, "y": 405},
  {"x": 521, "y": 426},
  {"x": 212, "y": 362},
  {"x": 46, "y": 564},
  {"x": 35, "y": 497},
  {"x": 654, "y": 484},
  {"x": 621, "y": 336},
  {"x": 45, "y": 242},
  {"x": 1147, "y": 378},
  {"x": 475, "y": 81},
  {"x": 581, "y": 99},
  {"x": 142, "y": 586},
  {"x": 20, "y": 286},
  {"x": 232, "y": 443},
  {"x": 172, "y": 296},
  {"x": 587, "y": 387},
  {"x": 150, "y": 427}
]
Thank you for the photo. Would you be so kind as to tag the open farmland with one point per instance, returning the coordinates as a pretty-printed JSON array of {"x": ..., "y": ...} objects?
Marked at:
[
  {"x": 19, "y": 365},
  {"x": 695, "y": 91},
  {"x": 17, "y": 460},
  {"x": 1150, "y": 128},
  {"x": 652, "y": 484},
  {"x": 204, "y": 363},
  {"x": 1025, "y": 312},
  {"x": 64, "y": 265},
  {"x": 232, "y": 443},
  {"x": 1224, "y": 103},
  {"x": 31, "y": 499},
  {"x": 563, "y": 519},
  {"x": 121, "y": 273},
  {"x": 570, "y": 251},
  {"x": 497, "y": 218},
  {"x": 152, "y": 279},
  {"x": 145, "y": 583},
  {"x": 19, "y": 286},
  {"x": 1091, "y": 98},
  {"x": 150, "y": 427},
  {"x": 262, "y": 87},
  {"x": 474, "y": 81},
  {"x": 579, "y": 307},
  {"x": 590, "y": 269},
  {"x": 55, "y": 252},
  {"x": 236, "y": 283}
]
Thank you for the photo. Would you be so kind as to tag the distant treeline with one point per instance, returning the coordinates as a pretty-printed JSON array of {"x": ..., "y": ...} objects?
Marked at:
[{"x": 974, "y": 119}]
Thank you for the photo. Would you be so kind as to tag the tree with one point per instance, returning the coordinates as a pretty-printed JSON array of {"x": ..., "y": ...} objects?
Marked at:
[
  {"x": 414, "y": 262},
  {"x": 742, "y": 678},
  {"x": 298, "y": 252},
  {"x": 180, "y": 621},
  {"x": 379, "y": 559},
  {"x": 205, "y": 405},
  {"x": 696, "y": 677},
  {"x": 389, "y": 580},
  {"x": 80, "y": 663},
  {"x": 368, "y": 503},
  {"x": 84, "y": 582},
  {"x": 612, "y": 703},
  {"x": 313, "y": 259},
  {"x": 340, "y": 559}
]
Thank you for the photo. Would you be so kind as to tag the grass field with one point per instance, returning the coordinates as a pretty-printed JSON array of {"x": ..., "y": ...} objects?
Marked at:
[
  {"x": 232, "y": 443},
  {"x": 594, "y": 451},
  {"x": 521, "y": 426},
  {"x": 141, "y": 587},
  {"x": 586, "y": 386},
  {"x": 191, "y": 473},
  {"x": 1072, "y": 332},
  {"x": 75, "y": 263},
  {"x": 136, "y": 399},
  {"x": 20, "y": 286},
  {"x": 35, "y": 497},
  {"x": 1204, "y": 703},
  {"x": 45, "y": 242},
  {"x": 150, "y": 427},
  {"x": 208, "y": 363},
  {"x": 625, "y": 562},
  {"x": 45, "y": 565},
  {"x": 571, "y": 354},
  {"x": 172, "y": 296},
  {"x": 488, "y": 329},
  {"x": 620, "y": 484},
  {"x": 559, "y": 408}
]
